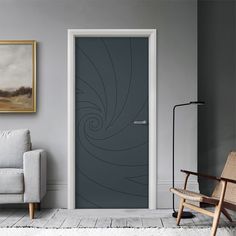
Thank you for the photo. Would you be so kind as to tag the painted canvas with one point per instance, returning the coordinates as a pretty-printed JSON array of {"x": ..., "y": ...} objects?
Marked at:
[{"x": 17, "y": 76}]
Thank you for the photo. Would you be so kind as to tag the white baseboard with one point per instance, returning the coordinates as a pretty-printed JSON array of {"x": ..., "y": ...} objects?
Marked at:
[{"x": 56, "y": 196}]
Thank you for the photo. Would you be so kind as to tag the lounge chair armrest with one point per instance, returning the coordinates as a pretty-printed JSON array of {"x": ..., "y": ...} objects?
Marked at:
[
  {"x": 201, "y": 175},
  {"x": 228, "y": 180}
]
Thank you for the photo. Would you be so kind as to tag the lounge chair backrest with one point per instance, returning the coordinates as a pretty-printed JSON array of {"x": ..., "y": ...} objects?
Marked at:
[{"x": 228, "y": 172}]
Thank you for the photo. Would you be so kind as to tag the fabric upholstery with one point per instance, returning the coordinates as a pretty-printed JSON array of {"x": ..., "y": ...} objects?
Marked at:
[
  {"x": 34, "y": 166},
  {"x": 13, "y": 143},
  {"x": 11, "y": 180},
  {"x": 11, "y": 198}
]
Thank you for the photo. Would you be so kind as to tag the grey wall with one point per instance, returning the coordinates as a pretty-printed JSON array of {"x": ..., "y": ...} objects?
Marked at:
[
  {"x": 216, "y": 85},
  {"x": 47, "y": 22}
]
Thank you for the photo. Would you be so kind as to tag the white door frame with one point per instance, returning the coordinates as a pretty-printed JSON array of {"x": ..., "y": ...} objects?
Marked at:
[{"x": 151, "y": 34}]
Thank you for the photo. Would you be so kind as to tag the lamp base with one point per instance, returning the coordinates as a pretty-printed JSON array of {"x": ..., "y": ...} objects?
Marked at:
[{"x": 185, "y": 215}]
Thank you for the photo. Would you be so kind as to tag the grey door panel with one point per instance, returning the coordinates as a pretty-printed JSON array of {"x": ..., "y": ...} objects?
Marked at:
[{"x": 111, "y": 122}]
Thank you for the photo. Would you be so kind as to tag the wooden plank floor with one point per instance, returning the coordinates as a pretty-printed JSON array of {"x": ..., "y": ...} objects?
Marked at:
[{"x": 62, "y": 218}]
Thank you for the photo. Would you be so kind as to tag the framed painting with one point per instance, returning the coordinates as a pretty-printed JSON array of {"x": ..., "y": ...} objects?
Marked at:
[{"x": 17, "y": 76}]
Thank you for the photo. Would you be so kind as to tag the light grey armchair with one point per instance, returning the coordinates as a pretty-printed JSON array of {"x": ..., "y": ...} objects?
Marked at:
[{"x": 22, "y": 170}]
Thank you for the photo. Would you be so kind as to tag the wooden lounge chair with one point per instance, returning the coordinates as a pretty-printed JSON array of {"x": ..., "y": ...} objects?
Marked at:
[{"x": 223, "y": 196}]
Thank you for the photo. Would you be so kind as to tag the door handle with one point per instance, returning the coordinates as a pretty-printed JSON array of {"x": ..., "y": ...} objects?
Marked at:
[{"x": 140, "y": 122}]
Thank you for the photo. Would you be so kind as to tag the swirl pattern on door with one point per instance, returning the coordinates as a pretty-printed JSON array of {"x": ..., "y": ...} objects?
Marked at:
[{"x": 111, "y": 149}]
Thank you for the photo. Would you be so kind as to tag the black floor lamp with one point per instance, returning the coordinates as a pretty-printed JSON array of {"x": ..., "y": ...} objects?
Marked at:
[{"x": 185, "y": 214}]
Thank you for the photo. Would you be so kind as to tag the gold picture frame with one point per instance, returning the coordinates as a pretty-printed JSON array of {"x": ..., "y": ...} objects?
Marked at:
[{"x": 17, "y": 76}]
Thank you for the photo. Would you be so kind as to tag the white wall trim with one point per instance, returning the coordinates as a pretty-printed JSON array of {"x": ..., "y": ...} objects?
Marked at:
[
  {"x": 56, "y": 195},
  {"x": 151, "y": 34}
]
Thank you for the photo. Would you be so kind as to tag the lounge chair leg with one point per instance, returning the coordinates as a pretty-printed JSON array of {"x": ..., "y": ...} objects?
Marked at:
[
  {"x": 181, "y": 207},
  {"x": 216, "y": 220},
  {"x": 227, "y": 215},
  {"x": 218, "y": 209},
  {"x": 31, "y": 210}
]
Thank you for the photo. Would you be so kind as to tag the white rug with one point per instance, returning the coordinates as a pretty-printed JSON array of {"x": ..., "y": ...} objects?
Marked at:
[{"x": 116, "y": 232}]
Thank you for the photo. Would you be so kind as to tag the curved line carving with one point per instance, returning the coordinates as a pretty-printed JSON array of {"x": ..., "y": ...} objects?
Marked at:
[
  {"x": 99, "y": 75},
  {"x": 129, "y": 123},
  {"x": 132, "y": 179},
  {"x": 85, "y": 199},
  {"x": 94, "y": 106},
  {"x": 115, "y": 79},
  {"x": 95, "y": 91},
  {"x": 136, "y": 182},
  {"x": 129, "y": 86},
  {"x": 107, "y": 100},
  {"x": 114, "y": 150},
  {"x": 100, "y": 159},
  {"x": 109, "y": 188}
]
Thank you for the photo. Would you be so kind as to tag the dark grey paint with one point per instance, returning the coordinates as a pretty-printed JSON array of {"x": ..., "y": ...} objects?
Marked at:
[
  {"x": 216, "y": 85},
  {"x": 111, "y": 151}
]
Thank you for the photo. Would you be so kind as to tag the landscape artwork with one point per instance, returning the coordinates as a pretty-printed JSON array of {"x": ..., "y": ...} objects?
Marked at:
[{"x": 17, "y": 76}]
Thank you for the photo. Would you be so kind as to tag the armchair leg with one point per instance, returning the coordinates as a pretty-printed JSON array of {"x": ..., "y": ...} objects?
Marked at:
[
  {"x": 31, "y": 210},
  {"x": 215, "y": 220},
  {"x": 218, "y": 209},
  {"x": 227, "y": 215},
  {"x": 181, "y": 207}
]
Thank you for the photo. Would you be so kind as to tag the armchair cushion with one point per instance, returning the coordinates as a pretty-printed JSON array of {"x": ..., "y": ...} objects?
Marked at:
[
  {"x": 13, "y": 143},
  {"x": 11, "y": 181}
]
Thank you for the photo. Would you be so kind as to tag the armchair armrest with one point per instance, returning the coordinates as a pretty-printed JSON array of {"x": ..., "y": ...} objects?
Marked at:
[
  {"x": 34, "y": 167},
  {"x": 201, "y": 175},
  {"x": 228, "y": 180}
]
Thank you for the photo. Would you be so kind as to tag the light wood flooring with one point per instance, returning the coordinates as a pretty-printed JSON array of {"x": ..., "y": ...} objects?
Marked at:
[{"x": 62, "y": 218}]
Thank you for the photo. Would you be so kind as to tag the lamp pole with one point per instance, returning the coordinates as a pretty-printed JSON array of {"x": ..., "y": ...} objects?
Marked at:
[{"x": 185, "y": 214}]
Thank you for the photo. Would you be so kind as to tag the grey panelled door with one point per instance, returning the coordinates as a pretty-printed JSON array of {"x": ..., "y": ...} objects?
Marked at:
[{"x": 111, "y": 122}]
